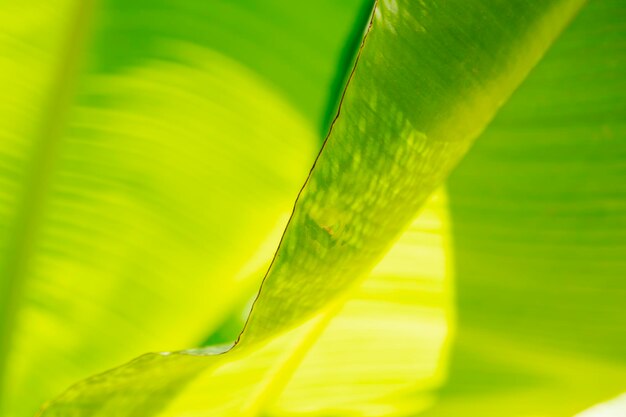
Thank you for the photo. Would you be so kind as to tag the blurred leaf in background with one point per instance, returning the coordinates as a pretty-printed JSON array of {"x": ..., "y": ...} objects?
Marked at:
[
  {"x": 539, "y": 216},
  {"x": 150, "y": 152},
  {"x": 143, "y": 160}
]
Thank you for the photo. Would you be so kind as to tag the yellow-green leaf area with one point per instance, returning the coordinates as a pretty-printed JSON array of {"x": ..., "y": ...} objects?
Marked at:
[{"x": 430, "y": 77}]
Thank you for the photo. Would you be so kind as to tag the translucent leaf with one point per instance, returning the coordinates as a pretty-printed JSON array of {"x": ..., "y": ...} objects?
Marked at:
[
  {"x": 429, "y": 79},
  {"x": 140, "y": 169},
  {"x": 315, "y": 368}
]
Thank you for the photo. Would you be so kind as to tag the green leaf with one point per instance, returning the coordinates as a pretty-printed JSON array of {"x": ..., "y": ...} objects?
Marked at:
[
  {"x": 392, "y": 336},
  {"x": 430, "y": 77},
  {"x": 140, "y": 169},
  {"x": 280, "y": 40},
  {"x": 539, "y": 214},
  {"x": 402, "y": 342},
  {"x": 383, "y": 157}
]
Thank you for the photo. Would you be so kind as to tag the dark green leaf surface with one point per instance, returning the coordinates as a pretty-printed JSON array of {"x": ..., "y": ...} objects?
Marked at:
[{"x": 303, "y": 49}]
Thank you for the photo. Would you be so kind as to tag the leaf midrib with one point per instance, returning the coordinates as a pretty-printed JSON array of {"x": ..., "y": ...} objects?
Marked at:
[{"x": 46, "y": 143}]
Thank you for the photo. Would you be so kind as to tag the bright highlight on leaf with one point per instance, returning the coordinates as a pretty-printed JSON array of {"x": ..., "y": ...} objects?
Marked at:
[
  {"x": 316, "y": 367},
  {"x": 172, "y": 167},
  {"x": 150, "y": 152},
  {"x": 613, "y": 408}
]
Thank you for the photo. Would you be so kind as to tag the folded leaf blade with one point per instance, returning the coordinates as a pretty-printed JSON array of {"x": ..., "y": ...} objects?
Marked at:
[
  {"x": 406, "y": 119},
  {"x": 429, "y": 79},
  {"x": 155, "y": 191}
]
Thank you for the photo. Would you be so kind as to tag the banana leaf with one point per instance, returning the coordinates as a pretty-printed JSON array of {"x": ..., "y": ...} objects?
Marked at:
[{"x": 150, "y": 154}]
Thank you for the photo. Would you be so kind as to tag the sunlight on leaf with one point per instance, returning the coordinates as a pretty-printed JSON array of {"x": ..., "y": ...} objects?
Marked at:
[
  {"x": 412, "y": 109},
  {"x": 317, "y": 367},
  {"x": 390, "y": 339},
  {"x": 117, "y": 183},
  {"x": 137, "y": 220},
  {"x": 387, "y": 151},
  {"x": 146, "y": 150},
  {"x": 612, "y": 408},
  {"x": 246, "y": 382}
]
